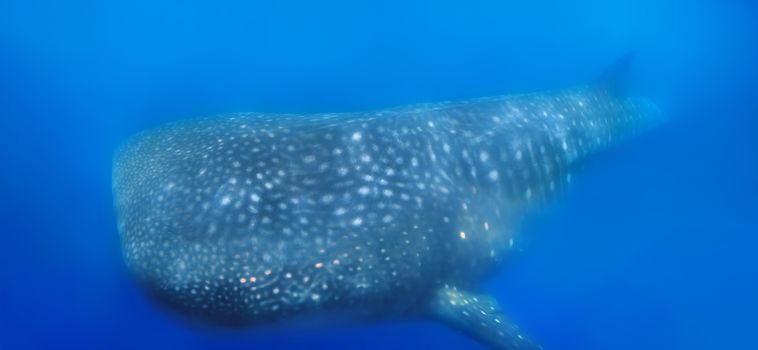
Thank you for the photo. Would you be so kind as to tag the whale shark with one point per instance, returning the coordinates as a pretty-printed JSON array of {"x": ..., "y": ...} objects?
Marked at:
[{"x": 253, "y": 219}]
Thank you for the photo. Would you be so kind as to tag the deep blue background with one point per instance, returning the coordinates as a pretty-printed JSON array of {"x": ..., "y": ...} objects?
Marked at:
[{"x": 654, "y": 247}]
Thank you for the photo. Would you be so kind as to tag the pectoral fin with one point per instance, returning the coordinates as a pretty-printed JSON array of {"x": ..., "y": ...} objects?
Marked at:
[{"x": 479, "y": 317}]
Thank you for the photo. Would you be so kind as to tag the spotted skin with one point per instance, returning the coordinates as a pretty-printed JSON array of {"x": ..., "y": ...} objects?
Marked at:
[{"x": 253, "y": 218}]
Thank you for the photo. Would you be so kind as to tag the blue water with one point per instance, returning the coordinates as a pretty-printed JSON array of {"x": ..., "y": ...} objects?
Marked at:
[{"x": 654, "y": 247}]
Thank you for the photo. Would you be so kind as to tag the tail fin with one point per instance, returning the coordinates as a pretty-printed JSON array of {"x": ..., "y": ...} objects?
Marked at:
[{"x": 615, "y": 78}]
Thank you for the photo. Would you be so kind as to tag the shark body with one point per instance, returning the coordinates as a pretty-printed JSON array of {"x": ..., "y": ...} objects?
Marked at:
[{"x": 253, "y": 218}]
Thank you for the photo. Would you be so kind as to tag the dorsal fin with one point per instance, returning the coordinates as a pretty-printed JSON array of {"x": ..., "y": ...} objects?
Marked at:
[{"x": 615, "y": 78}]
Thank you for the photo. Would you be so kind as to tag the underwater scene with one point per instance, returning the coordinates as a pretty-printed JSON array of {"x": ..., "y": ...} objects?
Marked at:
[{"x": 378, "y": 175}]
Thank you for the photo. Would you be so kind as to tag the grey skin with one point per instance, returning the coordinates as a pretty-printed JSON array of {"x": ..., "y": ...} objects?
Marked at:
[{"x": 252, "y": 219}]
